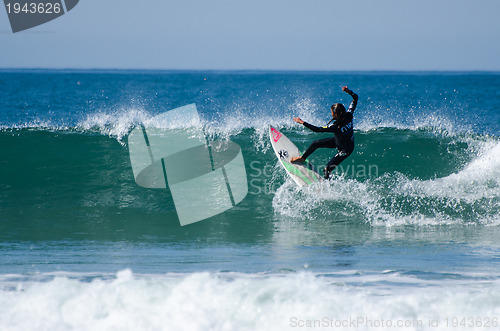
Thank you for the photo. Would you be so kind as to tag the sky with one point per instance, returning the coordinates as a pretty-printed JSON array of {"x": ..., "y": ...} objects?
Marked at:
[{"x": 357, "y": 35}]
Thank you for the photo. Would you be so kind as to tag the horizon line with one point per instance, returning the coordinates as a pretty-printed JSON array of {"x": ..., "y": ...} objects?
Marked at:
[{"x": 250, "y": 70}]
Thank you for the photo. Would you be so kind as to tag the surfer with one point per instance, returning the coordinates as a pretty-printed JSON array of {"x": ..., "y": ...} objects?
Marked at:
[{"x": 343, "y": 134}]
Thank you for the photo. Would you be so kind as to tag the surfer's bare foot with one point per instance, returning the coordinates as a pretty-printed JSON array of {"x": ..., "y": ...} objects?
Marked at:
[{"x": 297, "y": 159}]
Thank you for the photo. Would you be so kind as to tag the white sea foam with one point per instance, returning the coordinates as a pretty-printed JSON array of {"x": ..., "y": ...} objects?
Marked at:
[
  {"x": 479, "y": 179},
  {"x": 471, "y": 195},
  {"x": 114, "y": 124},
  {"x": 231, "y": 301}
]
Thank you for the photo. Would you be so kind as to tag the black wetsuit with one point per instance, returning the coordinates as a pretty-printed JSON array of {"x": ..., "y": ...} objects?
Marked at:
[{"x": 343, "y": 138}]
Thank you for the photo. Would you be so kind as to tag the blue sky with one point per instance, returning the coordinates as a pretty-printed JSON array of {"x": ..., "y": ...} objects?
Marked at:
[{"x": 262, "y": 35}]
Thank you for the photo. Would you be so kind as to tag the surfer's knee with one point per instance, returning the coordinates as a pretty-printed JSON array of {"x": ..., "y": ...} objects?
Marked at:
[{"x": 315, "y": 144}]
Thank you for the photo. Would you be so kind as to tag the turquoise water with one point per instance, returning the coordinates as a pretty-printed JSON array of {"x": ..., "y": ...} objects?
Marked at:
[{"x": 407, "y": 231}]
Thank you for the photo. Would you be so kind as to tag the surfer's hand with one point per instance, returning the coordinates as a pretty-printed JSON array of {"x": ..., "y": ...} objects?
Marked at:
[
  {"x": 345, "y": 89},
  {"x": 298, "y": 120}
]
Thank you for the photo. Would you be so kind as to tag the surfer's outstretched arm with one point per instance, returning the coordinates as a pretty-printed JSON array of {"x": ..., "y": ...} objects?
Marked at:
[
  {"x": 318, "y": 129},
  {"x": 354, "y": 96},
  {"x": 312, "y": 127}
]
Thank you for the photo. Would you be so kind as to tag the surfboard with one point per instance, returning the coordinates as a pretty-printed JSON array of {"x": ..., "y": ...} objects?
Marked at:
[{"x": 302, "y": 173}]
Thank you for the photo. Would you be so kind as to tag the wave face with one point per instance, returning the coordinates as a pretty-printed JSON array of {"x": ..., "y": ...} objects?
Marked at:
[
  {"x": 427, "y": 146},
  {"x": 395, "y": 177}
]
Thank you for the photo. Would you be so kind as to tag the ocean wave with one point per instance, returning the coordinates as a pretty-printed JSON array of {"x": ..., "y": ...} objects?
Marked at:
[
  {"x": 461, "y": 187},
  {"x": 235, "y": 301}
]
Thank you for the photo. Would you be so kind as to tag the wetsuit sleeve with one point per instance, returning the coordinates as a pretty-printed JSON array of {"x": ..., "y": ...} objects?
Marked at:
[
  {"x": 319, "y": 129},
  {"x": 354, "y": 102}
]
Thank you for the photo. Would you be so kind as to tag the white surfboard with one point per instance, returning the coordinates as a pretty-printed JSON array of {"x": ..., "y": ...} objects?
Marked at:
[{"x": 302, "y": 173}]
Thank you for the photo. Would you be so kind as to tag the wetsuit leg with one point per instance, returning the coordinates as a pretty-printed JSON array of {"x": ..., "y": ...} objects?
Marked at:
[
  {"x": 320, "y": 143},
  {"x": 341, "y": 156}
]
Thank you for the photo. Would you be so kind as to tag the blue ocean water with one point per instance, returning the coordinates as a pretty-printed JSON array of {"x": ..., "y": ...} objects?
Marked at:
[{"x": 404, "y": 237}]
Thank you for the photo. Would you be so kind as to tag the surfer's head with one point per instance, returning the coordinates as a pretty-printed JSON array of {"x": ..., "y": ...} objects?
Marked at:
[{"x": 338, "y": 110}]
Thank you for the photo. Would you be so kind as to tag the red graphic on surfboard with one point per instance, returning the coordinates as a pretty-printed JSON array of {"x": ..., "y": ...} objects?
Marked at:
[{"x": 276, "y": 134}]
